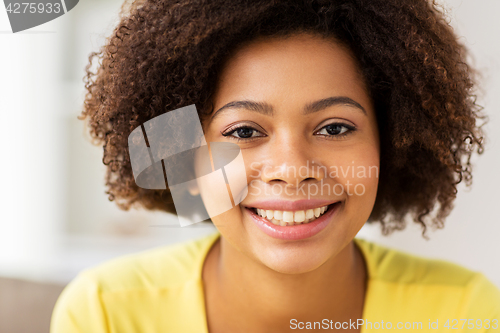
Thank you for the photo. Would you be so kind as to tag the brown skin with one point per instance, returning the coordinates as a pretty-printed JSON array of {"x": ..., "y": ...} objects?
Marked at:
[{"x": 253, "y": 282}]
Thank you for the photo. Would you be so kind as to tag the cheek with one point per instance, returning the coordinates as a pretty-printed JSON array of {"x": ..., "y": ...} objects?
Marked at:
[
  {"x": 211, "y": 185},
  {"x": 220, "y": 177},
  {"x": 365, "y": 173},
  {"x": 361, "y": 180},
  {"x": 215, "y": 193}
]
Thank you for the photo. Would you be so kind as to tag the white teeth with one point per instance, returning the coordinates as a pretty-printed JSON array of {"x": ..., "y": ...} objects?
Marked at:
[
  {"x": 300, "y": 216},
  {"x": 287, "y": 218}
]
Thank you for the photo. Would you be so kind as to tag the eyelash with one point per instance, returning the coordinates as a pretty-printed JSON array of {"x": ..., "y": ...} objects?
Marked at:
[{"x": 231, "y": 130}]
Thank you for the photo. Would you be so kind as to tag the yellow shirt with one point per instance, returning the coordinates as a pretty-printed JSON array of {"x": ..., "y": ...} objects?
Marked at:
[{"x": 161, "y": 290}]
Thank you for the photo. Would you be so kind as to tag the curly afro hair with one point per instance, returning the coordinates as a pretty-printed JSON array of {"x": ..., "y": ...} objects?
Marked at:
[{"x": 166, "y": 54}]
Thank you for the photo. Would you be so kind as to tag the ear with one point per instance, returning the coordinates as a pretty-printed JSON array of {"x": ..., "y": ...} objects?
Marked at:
[{"x": 193, "y": 189}]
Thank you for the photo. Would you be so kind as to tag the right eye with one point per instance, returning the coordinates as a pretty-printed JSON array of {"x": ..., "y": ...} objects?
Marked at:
[{"x": 241, "y": 133}]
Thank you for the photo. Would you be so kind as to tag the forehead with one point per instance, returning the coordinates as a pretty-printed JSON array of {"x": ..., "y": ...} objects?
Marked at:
[{"x": 301, "y": 65}]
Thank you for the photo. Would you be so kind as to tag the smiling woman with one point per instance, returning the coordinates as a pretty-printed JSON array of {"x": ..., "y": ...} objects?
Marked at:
[
  {"x": 345, "y": 112},
  {"x": 305, "y": 101}
]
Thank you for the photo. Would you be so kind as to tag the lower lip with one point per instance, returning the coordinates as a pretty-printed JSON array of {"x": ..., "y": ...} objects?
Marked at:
[{"x": 294, "y": 232}]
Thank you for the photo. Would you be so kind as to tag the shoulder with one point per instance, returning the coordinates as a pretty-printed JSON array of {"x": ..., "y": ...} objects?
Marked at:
[
  {"x": 167, "y": 266},
  {"x": 435, "y": 284},
  {"x": 126, "y": 290},
  {"x": 390, "y": 265}
]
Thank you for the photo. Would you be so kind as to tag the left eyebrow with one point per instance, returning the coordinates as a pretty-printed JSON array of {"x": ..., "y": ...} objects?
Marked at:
[{"x": 331, "y": 101}]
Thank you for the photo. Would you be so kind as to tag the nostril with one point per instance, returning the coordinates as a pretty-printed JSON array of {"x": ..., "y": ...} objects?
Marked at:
[{"x": 276, "y": 181}]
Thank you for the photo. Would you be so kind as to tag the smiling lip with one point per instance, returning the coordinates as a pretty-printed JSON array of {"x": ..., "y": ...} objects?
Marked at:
[{"x": 295, "y": 232}]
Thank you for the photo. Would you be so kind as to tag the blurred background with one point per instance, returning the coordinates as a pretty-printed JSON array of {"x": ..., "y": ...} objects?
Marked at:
[{"x": 56, "y": 220}]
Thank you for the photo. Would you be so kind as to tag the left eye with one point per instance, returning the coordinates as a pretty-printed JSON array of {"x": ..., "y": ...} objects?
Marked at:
[{"x": 335, "y": 129}]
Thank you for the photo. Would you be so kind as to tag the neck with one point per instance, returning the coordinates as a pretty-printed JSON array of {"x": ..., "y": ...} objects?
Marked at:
[{"x": 253, "y": 296}]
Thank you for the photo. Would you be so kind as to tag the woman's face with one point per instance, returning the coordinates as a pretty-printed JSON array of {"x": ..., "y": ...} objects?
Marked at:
[{"x": 301, "y": 114}]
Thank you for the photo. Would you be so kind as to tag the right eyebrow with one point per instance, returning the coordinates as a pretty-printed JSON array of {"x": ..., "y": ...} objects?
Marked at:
[{"x": 259, "y": 107}]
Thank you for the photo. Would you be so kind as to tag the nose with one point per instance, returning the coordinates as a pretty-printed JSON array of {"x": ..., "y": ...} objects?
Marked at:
[{"x": 292, "y": 163}]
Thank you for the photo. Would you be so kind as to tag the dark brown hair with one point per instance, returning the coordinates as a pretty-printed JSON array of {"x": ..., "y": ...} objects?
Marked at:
[{"x": 165, "y": 54}]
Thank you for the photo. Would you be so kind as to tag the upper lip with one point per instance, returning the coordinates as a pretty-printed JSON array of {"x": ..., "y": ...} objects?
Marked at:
[{"x": 286, "y": 205}]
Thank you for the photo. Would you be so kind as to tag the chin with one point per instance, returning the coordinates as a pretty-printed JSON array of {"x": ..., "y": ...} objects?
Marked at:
[
  {"x": 294, "y": 259},
  {"x": 296, "y": 267}
]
